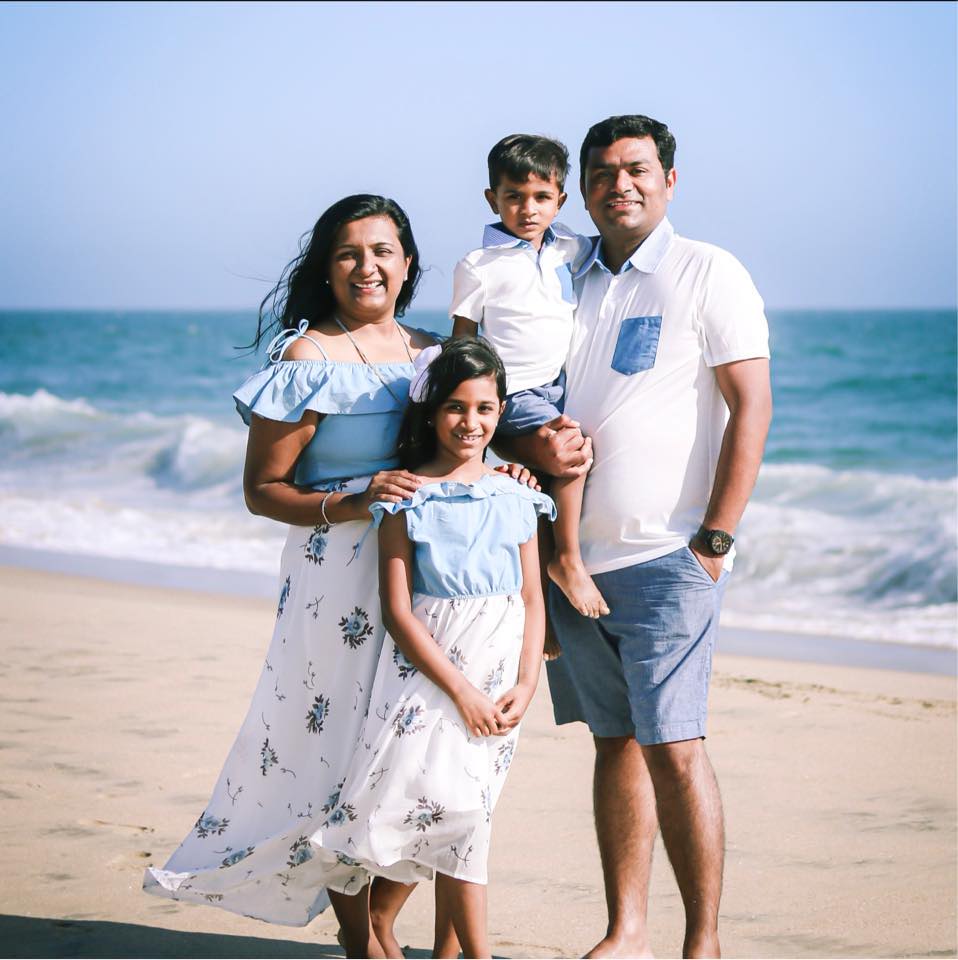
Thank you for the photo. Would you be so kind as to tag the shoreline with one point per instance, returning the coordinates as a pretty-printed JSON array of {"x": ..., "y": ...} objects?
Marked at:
[
  {"x": 119, "y": 703},
  {"x": 836, "y": 650}
]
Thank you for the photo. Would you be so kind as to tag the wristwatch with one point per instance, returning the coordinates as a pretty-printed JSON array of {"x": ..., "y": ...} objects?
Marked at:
[{"x": 717, "y": 541}]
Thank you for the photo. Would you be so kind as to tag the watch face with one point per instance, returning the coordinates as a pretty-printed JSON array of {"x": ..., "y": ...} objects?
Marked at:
[{"x": 720, "y": 542}]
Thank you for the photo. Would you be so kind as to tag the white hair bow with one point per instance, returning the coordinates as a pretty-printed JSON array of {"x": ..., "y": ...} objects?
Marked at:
[{"x": 419, "y": 385}]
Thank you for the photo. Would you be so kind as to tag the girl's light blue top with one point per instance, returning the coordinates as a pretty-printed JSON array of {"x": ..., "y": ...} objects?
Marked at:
[
  {"x": 359, "y": 430},
  {"x": 466, "y": 536}
]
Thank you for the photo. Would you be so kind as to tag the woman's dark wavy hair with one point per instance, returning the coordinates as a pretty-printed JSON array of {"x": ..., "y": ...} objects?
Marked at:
[
  {"x": 302, "y": 291},
  {"x": 463, "y": 358}
]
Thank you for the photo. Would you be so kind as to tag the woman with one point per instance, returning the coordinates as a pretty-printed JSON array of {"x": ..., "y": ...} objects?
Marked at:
[{"x": 324, "y": 416}]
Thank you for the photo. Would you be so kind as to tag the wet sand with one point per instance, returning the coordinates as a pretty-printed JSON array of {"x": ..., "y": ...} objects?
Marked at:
[{"x": 120, "y": 702}]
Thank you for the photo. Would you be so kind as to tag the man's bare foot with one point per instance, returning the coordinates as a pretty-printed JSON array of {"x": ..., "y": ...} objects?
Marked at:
[
  {"x": 570, "y": 576},
  {"x": 612, "y": 946}
]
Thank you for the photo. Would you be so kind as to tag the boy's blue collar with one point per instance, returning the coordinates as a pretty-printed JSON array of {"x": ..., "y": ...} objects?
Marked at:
[{"x": 496, "y": 235}]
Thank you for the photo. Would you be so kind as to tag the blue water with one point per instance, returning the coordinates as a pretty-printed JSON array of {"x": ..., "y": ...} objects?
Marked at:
[{"x": 118, "y": 437}]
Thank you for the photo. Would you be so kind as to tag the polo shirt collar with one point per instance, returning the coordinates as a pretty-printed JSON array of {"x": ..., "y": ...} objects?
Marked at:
[
  {"x": 496, "y": 235},
  {"x": 646, "y": 257}
]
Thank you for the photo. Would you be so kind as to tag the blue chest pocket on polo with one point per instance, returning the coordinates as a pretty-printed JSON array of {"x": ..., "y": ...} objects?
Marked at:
[
  {"x": 564, "y": 273},
  {"x": 637, "y": 345}
]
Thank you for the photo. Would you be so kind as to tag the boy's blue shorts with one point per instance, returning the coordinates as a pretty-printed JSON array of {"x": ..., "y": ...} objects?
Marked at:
[
  {"x": 527, "y": 410},
  {"x": 642, "y": 671}
]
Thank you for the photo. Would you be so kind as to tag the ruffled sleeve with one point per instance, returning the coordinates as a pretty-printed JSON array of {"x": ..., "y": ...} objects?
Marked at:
[
  {"x": 286, "y": 390},
  {"x": 536, "y": 505},
  {"x": 379, "y": 508}
]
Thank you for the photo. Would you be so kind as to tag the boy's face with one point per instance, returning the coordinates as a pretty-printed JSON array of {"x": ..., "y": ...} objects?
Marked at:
[{"x": 526, "y": 209}]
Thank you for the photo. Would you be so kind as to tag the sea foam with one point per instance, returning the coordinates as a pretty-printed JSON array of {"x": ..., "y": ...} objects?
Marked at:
[{"x": 842, "y": 552}]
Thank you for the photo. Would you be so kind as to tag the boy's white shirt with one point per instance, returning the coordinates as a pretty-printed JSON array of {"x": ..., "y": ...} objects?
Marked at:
[{"x": 522, "y": 300}]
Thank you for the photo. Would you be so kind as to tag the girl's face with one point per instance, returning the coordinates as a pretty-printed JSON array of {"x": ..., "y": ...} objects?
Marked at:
[
  {"x": 466, "y": 420},
  {"x": 367, "y": 268}
]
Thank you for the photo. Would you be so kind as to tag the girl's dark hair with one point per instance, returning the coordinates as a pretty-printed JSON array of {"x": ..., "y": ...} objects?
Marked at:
[
  {"x": 302, "y": 291},
  {"x": 464, "y": 358}
]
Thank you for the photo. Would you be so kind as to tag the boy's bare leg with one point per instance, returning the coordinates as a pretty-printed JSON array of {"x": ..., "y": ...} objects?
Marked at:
[
  {"x": 566, "y": 568},
  {"x": 547, "y": 547},
  {"x": 465, "y": 902},
  {"x": 386, "y": 899},
  {"x": 356, "y": 933}
]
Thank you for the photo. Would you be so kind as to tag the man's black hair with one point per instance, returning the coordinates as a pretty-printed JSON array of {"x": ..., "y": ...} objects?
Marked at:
[
  {"x": 522, "y": 154},
  {"x": 606, "y": 132}
]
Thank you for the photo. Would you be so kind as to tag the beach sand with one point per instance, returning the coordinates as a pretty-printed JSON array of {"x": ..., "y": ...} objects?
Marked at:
[{"x": 120, "y": 703}]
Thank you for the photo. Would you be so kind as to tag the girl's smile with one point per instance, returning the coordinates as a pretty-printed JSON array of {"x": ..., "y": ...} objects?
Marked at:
[{"x": 467, "y": 419}]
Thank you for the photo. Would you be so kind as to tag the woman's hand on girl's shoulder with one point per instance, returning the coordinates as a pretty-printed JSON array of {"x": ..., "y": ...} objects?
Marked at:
[
  {"x": 519, "y": 473},
  {"x": 514, "y": 703},
  {"x": 393, "y": 486}
]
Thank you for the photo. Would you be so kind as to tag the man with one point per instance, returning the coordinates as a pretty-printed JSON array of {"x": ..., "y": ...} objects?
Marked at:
[{"x": 668, "y": 375}]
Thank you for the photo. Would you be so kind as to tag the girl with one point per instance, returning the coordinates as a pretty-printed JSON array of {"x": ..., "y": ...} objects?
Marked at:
[{"x": 462, "y": 604}]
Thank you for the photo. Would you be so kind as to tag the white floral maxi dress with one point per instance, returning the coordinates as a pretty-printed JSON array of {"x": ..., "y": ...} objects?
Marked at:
[
  {"x": 249, "y": 851},
  {"x": 421, "y": 791}
]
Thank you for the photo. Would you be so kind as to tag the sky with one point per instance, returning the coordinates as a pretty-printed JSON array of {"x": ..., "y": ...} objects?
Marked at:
[{"x": 171, "y": 155}]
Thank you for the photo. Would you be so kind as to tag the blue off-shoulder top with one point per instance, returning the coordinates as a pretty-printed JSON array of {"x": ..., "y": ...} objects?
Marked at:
[
  {"x": 361, "y": 417},
  {"x": 466, "y": 536}
]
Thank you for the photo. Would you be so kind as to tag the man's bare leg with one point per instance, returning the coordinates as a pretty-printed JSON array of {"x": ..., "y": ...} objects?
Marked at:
[
  {"x": 386, "y": 899},
  {"x": 625, "y": 825},
  {"x": 566, "y": 568},
  {"x": 690, "y": 814}
]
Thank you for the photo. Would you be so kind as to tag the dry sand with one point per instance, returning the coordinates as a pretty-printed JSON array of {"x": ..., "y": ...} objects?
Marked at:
[{"x": 120, "y": 702}]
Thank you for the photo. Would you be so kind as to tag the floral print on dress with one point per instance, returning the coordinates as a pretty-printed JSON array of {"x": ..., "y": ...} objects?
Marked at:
[
  {"x": 268, "y": 757},
  {"x": 314, "y": 549},
  {"x": 299, "y": 852},
  {"x": 333, "y": 798},
  {"x": 456, "y": 657},
  {"x": 342, "y": 813},
  {"x": 408, "y": 720},
  {"x": 403, "y": 664},
  {"x": 233, "y": 858},
  {"x": 208, "y": 825},
  {"x": 283, "y": 597},
  {"x": 424, "y": 815},
  {"x": 504, "y": 756},
  {"x": 494, "y": 679},
  {"x": 356, "y": 628},
  {"x": 317, "y": 714}
]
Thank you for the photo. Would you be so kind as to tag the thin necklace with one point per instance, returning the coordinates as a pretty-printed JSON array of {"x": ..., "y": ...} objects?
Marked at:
[{"x": 365, "y": 359}]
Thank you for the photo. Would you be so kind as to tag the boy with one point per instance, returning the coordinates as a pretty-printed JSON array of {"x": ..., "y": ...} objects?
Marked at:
[{"x": 516, "y": 291}]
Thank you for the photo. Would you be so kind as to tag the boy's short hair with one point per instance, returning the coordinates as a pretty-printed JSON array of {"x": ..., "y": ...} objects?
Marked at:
[
  {"x": 606, "y": 132},
  {"x": 521, "y": 154}
]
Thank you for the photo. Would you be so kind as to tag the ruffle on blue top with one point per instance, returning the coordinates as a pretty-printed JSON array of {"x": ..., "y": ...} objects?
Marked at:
[
  {"x": 287, "y": 389},
  {"x": 466, "y": 535}
]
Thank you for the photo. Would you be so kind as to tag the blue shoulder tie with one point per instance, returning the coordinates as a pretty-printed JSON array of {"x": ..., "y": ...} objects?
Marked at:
[{"x": 279, "y": 343}]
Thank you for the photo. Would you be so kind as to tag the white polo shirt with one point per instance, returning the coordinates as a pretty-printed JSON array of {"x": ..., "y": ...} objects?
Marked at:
[
  {"x": 639, "y": 379},
  {"x": 522, "y": 299}
]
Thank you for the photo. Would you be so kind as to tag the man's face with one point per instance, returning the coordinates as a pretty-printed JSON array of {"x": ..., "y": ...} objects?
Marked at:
[{"x": 625, "y": 189}]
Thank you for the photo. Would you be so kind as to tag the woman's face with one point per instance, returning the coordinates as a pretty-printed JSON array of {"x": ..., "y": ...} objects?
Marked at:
[{"x": 367, "y": 268}]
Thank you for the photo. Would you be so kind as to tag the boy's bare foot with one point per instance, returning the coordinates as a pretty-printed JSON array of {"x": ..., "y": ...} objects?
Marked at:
[{"x": 570, "y": 576}]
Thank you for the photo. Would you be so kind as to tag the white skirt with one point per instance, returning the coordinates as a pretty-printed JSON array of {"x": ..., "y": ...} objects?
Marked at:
[
  {"x": 249, "y": 851},
  {"x": 421, "y": 791}
]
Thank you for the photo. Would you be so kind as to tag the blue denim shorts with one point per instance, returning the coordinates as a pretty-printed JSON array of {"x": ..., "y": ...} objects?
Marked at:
[
  {"x": 643, "y": 670},
  {"x": 527, "y": 410}
]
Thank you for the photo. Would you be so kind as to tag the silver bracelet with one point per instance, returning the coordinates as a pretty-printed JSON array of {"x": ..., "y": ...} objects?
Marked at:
[{"x": 322, "y": 510}]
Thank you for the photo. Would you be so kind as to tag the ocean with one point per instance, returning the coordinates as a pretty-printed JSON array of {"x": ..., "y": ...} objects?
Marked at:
[{"x": 119, "y": 441}]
